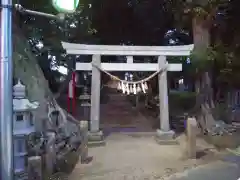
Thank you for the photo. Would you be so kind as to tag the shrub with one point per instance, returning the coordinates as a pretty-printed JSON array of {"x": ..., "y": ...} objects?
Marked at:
[{"x": 181, "y": 101}]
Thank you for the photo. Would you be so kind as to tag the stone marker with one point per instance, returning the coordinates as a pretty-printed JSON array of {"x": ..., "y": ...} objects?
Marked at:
[
  {"x": 191, "y": 131},
  {"x": 84, "y": 143},
  {"x": 50, "y": 153},
  {"x": 35, "y": 168}
]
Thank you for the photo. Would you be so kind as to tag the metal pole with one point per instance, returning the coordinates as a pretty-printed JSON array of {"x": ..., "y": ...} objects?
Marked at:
[
  {"x": 6, "y": 79},
  {"x": 21, "y": 9}
]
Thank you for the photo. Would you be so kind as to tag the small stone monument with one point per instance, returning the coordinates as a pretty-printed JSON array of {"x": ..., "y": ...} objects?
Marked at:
[
  {"x": 191, "y": 145},
  {"x": 50, "y": 157},
  {"x": 35, "y": 168},
  {"x": 23, "y": 125},
  {"x": 84, "y": 144},
  {"x": 85, "y": 99}
]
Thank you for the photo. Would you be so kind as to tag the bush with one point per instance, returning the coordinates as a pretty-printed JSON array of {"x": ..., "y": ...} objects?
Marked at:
[{"x": 181, "y": 101}]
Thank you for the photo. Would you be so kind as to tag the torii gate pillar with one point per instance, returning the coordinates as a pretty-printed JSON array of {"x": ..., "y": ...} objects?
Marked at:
[
  {"x": 164, "y": 134},
  {"x": 95, "y": 135}
]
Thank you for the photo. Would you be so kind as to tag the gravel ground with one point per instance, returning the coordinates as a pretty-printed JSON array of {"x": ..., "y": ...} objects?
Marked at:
[
  {"x": 128, "y": 157},
  {"x": 219, "y": 170}
]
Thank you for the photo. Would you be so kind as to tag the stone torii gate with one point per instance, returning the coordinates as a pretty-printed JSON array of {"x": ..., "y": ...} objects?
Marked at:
[{"x": 164, "y": 132}]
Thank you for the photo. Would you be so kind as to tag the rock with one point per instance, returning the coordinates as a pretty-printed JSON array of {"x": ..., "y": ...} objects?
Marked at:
[{"x": 220, "y": 128}]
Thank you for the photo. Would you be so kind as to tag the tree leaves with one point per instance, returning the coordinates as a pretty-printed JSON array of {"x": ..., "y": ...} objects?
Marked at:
[{"x": 139, "y": 22}]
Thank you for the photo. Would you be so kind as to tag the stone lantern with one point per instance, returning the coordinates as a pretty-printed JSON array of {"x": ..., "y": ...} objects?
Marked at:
[
  {"x": 85, "y": 98},
  {"x": 23, "y": 125}
]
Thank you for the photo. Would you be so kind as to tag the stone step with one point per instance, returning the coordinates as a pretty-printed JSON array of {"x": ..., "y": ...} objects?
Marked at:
[
  {"x": 118, "y": 109},
  {"x": 118, "y": 116},
  {"x": 116, "y": 101},
  {"x": 117, "y": 98},
  {"x": 96, "y": 143},
  {"x": 117, "y": 104},
  {"x": 122, "y": 109}
]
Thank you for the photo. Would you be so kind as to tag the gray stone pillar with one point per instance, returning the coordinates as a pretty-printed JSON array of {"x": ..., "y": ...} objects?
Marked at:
[
  {"x": 95, "y": 135},
  {"x": 164, "y": 134},
  {"x": 191, "y": 148},
  {"x": 50, "y": 153},
  {"x": 84, "y": 143},
  {"x": 35, "y": 168}
]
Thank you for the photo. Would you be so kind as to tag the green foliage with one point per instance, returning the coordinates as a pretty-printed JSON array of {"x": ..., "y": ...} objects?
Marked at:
[
  {"x": 199, "y": 11},
  {"x": 115, "y": 22},
  {"x": 203, "y": 8},
  {"x": 182, "y": 100},
  {"x": 229, "y": 70},
  {"x": 32, "y": 77},
  {"x": 77, "y": 27},
  {"x": 202, "y": 59},
  {"x": 222, "y": 58},
  {"x": 184, "y": 11}
]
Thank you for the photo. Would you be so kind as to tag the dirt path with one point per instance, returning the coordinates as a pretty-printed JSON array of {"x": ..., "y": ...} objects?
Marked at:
[
  {"x": 128, "y": 157},
  {"x": 131, "y": 157}
]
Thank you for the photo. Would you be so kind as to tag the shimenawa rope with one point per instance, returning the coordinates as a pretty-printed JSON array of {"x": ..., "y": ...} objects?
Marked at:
[{"x": 132, "y": 82}]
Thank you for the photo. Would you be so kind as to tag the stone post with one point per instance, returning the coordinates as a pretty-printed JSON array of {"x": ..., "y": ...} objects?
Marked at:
[
  {"x": 50, "y": 153},
  {"x": 164, "y": 134},
  {"x": 35, "y": 168},
  {"x": 191, "y": 129},
  {"x": 84, "y": 143},
  {"x": 95, "y": 135}
]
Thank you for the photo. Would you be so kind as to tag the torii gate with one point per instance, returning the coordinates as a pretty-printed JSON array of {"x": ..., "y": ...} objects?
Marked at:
[{"x": 98, "y": 50}]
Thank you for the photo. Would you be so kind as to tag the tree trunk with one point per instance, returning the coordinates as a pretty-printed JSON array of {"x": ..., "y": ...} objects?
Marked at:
[{"x": 204, "y": 100}]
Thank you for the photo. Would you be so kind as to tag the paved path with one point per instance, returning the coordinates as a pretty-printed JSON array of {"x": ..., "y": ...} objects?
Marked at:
[{"x": 133, "y": 157}]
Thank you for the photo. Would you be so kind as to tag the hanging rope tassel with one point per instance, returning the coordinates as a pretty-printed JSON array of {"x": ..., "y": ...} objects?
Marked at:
[
  {"x": 143, "y": 88},
  {"x": 138, "y": 88},
  {"x": 131, "y": 88},
  {"x": 134, "y": 89},
  {"x": 119, "y": 86},
  {"x": 123, "y": 88},
  {"x": 146, "y": 86},
  {"x": 127, "y": 88}
]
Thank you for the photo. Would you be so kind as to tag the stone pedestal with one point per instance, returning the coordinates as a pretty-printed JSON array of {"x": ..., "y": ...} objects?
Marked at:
[
  {"x": 95, "y": 138},
  {"x": 165, "y": 137}
]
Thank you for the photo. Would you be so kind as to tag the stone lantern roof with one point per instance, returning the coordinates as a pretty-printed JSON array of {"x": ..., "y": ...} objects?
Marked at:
[
  {"x": 20, "y": 102},
  {"x": 19, "y": 90}
]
